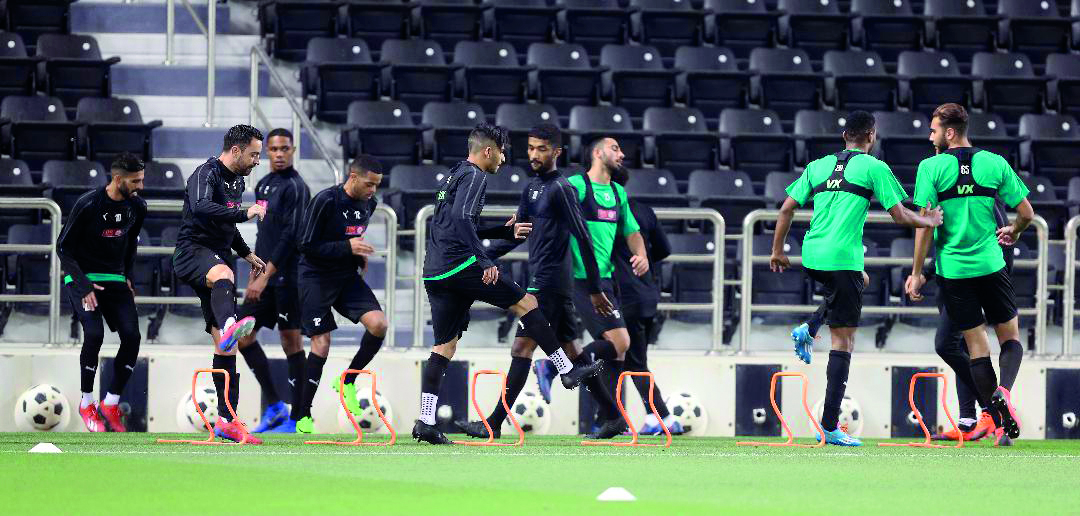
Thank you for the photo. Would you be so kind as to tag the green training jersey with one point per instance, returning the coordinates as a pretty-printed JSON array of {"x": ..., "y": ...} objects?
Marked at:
[
  {"x": 835, "y": 239},
  {"x": 602, "y": 232},
  {"x": 966, "y": 241}
]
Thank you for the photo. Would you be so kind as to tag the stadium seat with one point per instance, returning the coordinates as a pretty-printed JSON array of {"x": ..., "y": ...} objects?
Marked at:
[
  {"x": 18, "y": 72},
  {"x": 773, "y": 287},
  {"x": 709, "y": 79},
  {"x": 146, "y": 278},
  {"x": 336, "y": 72},
  {"x": 73, "y": 68},
  {"x": 776, "y": 184},
  {"x": 930, "y": 79},
  {"x": 563, "y": 77},
  {"x": 814, "y": 26},
  {"x": 448, "y": 125},
  {"x": 68, "y": 180},
  {"x": 491, "y": 75},
  {"x": 987, "y": 131},
  {"x": 729, "y": 192},
  {"x": 376, "y": 21},
  {"x": 1063, "y": 90},
  {"x": 636, "y": 78},
  {"x": 449, "y": 21},
  {"x": 754, "y": 142},
  {"x": 904, "y": 248},
  {"x": 504, "y": 188},
  {"x": 588, "y": 123},
  {"x": 17, "y": 181},
  {"x": 741, "y": 25},
  {"x": 519, "y": 119},
  {"x": 681, "y": 142},
  {"x": 962, "y": 28},
  {"x": 903, "y": 140},
  {"x": 411, "y": 188},
  {"x": 876, "y": 292},
  {"x": 887, "y": 27},
  {"x": 1025, "y": 279},
  {"x": 287, "y": 25},
  {"x": 859, "y": 81},
  {"x": 1006, "y": 84},
  {"x": 36, "y": 129},
  {"x": 161, "y": 181},
  {"x": 667, "y": 25},
  {"x": 1044, "y": 200},
  {"x": 818, "y": 133},
  {"x": 1051, "y": 149},
  {"x": 655, "y": 187},
  {"x": 29, "y": 272},
  {"x": 692, "y": 282},
  {"x": 33, "y": 18},
  {"x": 784, "y": 81},
  {"x": 383, "y": 129},
  {"x": 418, "y": 72},
  {"x": 1034, "y": 28},
  {"x": 113, "y": 126},
  {"x": 522, "y": 22},
  {"x": 593, "y": 23}
]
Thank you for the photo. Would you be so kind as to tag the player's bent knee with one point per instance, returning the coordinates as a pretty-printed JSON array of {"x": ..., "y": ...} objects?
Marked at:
[
  {"x": 375, "y": 323},
  {"x": 522, "y": 347},
  {"x": 526, "y": 305},
  {"x": 219, "y": 272}
]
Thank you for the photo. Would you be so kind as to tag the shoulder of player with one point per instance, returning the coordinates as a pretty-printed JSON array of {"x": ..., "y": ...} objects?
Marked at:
[
  {"x": 619, "y": 191},
  {"x": 937, "y": 160},
  {"x": 992, "y": 157},
  {"x": 88, "y": 199},
  {"x": 139, "y": 203},
  {"x": 325, "y": 195}
]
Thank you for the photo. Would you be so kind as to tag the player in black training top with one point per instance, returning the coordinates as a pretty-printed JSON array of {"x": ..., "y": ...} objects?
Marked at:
[
  {"x": 457, "y": 272},
  {"x": 549, "y": 203},
  {"x": 96, "y": 249},
  {"x": 333, "y": 258},
  {"x": 272, "y": 298},
  {"x": 203, "y": 258}
]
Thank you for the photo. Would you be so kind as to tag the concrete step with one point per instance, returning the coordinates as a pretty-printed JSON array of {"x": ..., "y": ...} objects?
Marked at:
[
  {"x": 142, "y": 17},
  {"x": 188, "y": 81},
  {"x": 188, "y": 49},
  {"x": 200, "y": 142},
  {"x": 177, "y": 111}
]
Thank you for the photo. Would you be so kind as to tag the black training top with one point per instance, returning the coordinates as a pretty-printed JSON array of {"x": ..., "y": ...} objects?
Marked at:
[
  {"x": 638, "y": 295},
  {"x": 332, "y": 219},
  {"x": 284, "y": 194},
  {"x": 453, "y": 242},
  {"x": 212, "y": 209},
  {"x": 100, "y": 237}
]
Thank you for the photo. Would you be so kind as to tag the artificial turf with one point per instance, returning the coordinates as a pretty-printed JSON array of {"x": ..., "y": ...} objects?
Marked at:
[{"x": 131, "y": 474}]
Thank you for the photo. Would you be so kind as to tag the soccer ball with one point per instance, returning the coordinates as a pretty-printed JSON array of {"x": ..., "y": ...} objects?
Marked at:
[
  {"x": 689, "y": 412},
  {"x": 851, "y": 415},
  {"x": 187, "y": 418},
  {"x": 531, "y": 413},
  {"x": 43, "y": 408},
  {"x": 368, "y": 419}
]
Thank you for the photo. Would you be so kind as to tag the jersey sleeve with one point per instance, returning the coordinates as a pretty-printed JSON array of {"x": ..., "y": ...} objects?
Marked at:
[
  {"x": 887, "y": 189},
  {"x": 1011, "y": 190},
  {"x": 200, "y": 192},
  {"x": 925, "y": 187},
  {"x": 578, "y": 182},
  {"x": 133, "y": 243},
  {"x": 800, "y": 190},
  {"x": 69, "y": 239},
  {"x": 630, "y": 225},
  {"x": 311, "y": 239}
]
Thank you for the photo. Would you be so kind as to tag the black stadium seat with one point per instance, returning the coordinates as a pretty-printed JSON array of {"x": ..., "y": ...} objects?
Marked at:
[
  {"x": 776, "y": 184},
  {"x": 819, "y": 133},
  {"x": 667, "y": 25},
  {"x": 815, "y": 26},
  {"x": 987, "y": 131},
  {"x": 729, "y": 192},
  {"x": 418, "y": 72},
  {"x": 37, "y": 129},
  {"x": 73, "y": 68},
  {"x": 656, "y": 187},
  {"x": 33, "y": 18},
  {"x": 709, "y": 79},
  {"x": 754, "y": 142},
  {"x": 522, "y": 22},
  {"x": 774, "y": 287},
  {"x": 903, "y": 140},
  {"x": 491, "y": 75},
  {"x": 376, "y": 21},
  {"x": 383, "y": 129},
  {"x": 1034, "y": 28},
  {"x": 70, "y": 179},
  {"x": 636, "y": 78},
  {"x": 785, "y": 81},
  {"x": 449, "y": 124},
  {"x": 692, "y": 282},
  {"x": 1064, "y": 89},
  {"x": 859, "y": 81},
  {"x": 589, "y": 123},
  {"x": 336, "y": 72},
  {"x": 563, "y": 77},
  {"x": 681, "y": 141},
  {"x": 29, "y": 271},
  {"x": 741, "y": 25},
  {"x": 18, "y": 72},
  {"x": 17, "y": 181},
  {"x": 287, "y": 25},
  {"x": 593, "y": 23},
  {"x": 505, "y": 186},
  {"x": 1044, "y": 200},
  {"x": 962, "y": 28},
  {"x": 114, "y": 126},
  {"x": 411, "y": 188},
  {"x": 887, "y": 27},
  {"x": 449, "y": 21},
  {"x": 1007, "y": 85},
  {"x": 1051, "y": 151},
  {"x": 519, "y": 119},
  {"x": 930, "y": 79}
]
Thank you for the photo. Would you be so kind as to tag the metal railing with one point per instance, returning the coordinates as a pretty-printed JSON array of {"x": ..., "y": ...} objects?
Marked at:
[
  {"x": 210, "y": 31},
  {"x": 749, "y": 259},
  {"x": 299, "y": 117},
  {"x": 53, "y": 297},
  {"x": 716, "y": 258},
  {"x": 1068, "y": 300}
]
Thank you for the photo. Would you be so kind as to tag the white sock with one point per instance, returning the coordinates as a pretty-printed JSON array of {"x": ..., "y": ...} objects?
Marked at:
[
  {"x": 112, "y": 399},
  {"x": 650, "y": 420},
  {"x": 561, "y": 361},
  {"x": 428, "y": 402},
  {"x": 87, "y": 400},
  {"x": 669, "y": 420},
  {"x": 228, "y": 323},
  {"x": 967, "y": 421}
]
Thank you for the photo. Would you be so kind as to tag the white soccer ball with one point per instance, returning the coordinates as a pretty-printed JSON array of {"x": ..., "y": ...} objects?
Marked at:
[
  {"x": 42, "y": 408},
  {"x": 444, "y": 413},
  {"x": 689, "y": 412},
  {"x": 368, "y": 419},
  {"x": 531, "y": 413},
  {"x": 187, "y": 417},
  {"x": 851, "y": 415}
]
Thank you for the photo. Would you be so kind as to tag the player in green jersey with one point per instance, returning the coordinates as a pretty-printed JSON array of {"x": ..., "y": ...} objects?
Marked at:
[
  {"x": 965, "y": 181},
  {"x": 840, "y": 186}
]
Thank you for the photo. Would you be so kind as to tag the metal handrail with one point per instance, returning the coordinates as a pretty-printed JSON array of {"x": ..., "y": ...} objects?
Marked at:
[
  {"x": 716, "y": 258},
  {"x": 748, "y": 258},
  {"x": 53, "y": 297},
  {"x": 1068, "y": 301},
  {"x": 299, "y": 117},
  {"x": 210, "y": 31}
]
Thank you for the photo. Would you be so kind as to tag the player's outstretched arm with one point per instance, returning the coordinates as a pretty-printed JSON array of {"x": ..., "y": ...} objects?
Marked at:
[
  {"x": 779, "y": 261},
  {"x": 924, "y": 219},
  {"x": 1008, "y": 235},
  {"x": 201, "y": 191}
]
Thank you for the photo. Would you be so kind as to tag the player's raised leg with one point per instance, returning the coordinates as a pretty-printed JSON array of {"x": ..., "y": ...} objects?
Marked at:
[{"x": 374, "y": 332}]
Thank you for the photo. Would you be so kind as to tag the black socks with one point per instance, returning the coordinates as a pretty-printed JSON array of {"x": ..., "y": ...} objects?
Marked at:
[
  {"x": 982, "y": 370},
  {"x": 837, "y": 375},
  {"x": 297, "y": 380},
  {"x": 256, "y": 360},
  {"x": 223, "y": 302},
  {"x": 642, "y": 385},
  {"x": 538, "y": 329},
  {"x": 369, "y": 346},
  {"x": 515, "y": 381},
  {"x": 228, "y": 363},
  {"x": 315, "y": 365},
  {"x": 816, "y": 320},
  {"x": 1012, "y": 353},
  {"x": 601, "y": 349},
  {"x": 430, "y": 381}
]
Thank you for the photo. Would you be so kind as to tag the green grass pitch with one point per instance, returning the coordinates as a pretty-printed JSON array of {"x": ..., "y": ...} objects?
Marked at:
[{"x": 131, "y": 474}]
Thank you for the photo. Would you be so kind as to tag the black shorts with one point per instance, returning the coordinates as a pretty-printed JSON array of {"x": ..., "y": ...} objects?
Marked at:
[
  {"x": 191, "y": 263},
  {"x": 594, "y": 322},
  {"x": 968, "y": 299},
  {"x": 559, "y": 312},
  {"x": 116, "y": 305},
  {"x": 351, "y": 297},
  {"x": 278, "y": 305},
  {"x": 452, "y": 297},
  {"x": 843, "y": 296}
]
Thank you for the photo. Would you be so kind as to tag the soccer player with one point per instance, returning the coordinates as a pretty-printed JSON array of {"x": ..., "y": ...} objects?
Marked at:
[
  {"x": 840, "y": 186},
  {"x": 333, "y": 256},
  {"x": 203, "y": 258},
  {"x": 457, "y": 272},
  {"x": 548, "y": 203},
  {"x": 96, "y": 249},
  {"x": 975, "y": 285},
  {"x": 272, "y": 298}
]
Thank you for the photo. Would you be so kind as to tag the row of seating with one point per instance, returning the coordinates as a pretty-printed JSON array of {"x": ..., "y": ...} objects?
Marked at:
[
  {"x": 1032, "y": 27},
  {"x": 66, "y": 66}
]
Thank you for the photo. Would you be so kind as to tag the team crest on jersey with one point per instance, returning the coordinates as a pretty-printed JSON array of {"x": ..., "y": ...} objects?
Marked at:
[
  {"x": 441, "y": 196},
  {"x": 608, "y": 215},
  {"x": 355, "y": 230},
  {"x": 112, "y": 233},
  {"x": 535, "y": 194}
]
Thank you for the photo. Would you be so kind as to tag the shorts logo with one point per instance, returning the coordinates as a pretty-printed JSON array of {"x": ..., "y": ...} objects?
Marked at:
[
  {"x": 216, "y": 257},
  {"x": 112, "y": 233},
  {"x": 832, "y": 183},
  {"x": 608, "y": 215},
  {"x": 355, "y": 230},
  {"x": 965, "y": 189},
  {"x": 317, "y": 320},
  {"x": 521, "y": 324},
  {"x": 285, "y": 317},
  {"x": 965, "y": 169}
]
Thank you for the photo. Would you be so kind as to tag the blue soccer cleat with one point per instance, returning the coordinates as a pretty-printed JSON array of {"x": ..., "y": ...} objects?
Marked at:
[
  {"x": 652, "y": 426},
  {"x": 276, "y": 414},
  {"x": 839, "y": 438},
  {"x": 288, "y": 427},
  {"x": 804, "y": 343},
  {"x": 545, "y": 374}
]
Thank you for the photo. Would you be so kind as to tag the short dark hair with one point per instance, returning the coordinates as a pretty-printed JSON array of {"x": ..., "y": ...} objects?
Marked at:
[
  {"x": 126, "y": 163},
  {"x": 858, "y": 126},
  {"x": 952, "y": 116},
  {"x": 547, "y": 132},
  {"x": 595, "y": 144},
  {"x": 487, "y": 134},
  {"x": 365, "y": 163},
  {"x": 280, "y": 131},
  {"x": 240, "y": 135}
]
